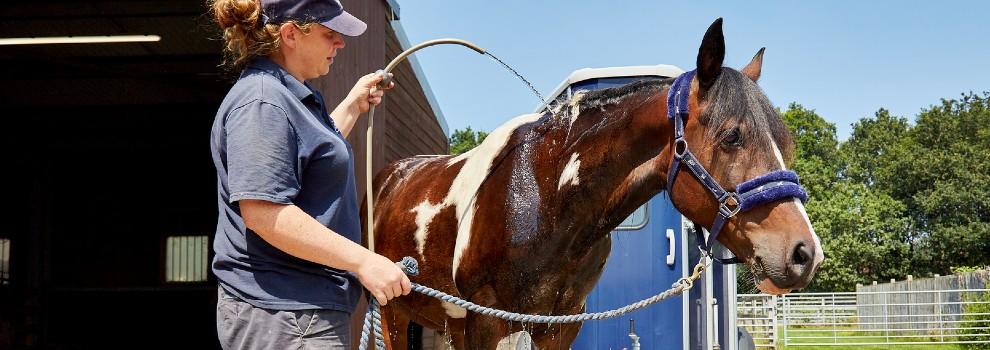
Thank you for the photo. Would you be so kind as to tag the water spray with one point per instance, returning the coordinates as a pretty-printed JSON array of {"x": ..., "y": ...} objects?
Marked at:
[{"x": 386, "y": 80}]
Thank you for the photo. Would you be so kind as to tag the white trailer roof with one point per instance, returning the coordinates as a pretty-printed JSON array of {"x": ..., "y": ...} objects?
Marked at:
[{"x": 660, "y": 70}]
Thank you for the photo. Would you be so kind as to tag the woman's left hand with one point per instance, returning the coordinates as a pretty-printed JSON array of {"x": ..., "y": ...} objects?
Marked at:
[{"x": 366, "y": 92}]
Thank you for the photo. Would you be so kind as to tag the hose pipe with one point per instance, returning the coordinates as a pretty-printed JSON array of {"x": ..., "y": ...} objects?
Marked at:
[{"x": 386, "y": 80}]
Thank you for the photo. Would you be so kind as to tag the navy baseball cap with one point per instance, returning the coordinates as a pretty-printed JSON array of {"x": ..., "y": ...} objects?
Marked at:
[{"x": 329, "y": 13}]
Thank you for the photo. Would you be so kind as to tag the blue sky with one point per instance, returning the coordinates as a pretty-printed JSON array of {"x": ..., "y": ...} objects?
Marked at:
[{"x": 844, "y": 59}]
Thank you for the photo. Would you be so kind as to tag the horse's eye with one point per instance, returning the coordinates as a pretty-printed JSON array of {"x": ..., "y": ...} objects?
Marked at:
[{"x": 732, "y": 139}]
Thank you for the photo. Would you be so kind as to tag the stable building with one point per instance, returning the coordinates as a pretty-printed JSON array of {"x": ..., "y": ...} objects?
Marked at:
[{"x": 111, "y": 204}]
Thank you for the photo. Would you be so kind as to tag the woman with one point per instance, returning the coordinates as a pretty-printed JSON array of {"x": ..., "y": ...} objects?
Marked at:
[{"x": 286, "y": 258}]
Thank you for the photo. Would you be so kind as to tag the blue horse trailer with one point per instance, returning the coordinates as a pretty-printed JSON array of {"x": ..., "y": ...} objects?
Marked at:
[{"x": 651, "y": 250}]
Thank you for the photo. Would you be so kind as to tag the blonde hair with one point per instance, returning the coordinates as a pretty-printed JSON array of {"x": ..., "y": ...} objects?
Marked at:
[{"x": 245, "y": 35}]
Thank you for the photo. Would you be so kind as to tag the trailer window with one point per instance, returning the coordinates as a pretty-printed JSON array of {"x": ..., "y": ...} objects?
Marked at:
[{"x": 636, "y": 220}]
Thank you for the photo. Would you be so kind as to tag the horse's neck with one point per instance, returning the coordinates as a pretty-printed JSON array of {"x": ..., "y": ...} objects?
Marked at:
[{"x": 622, "y": 166}]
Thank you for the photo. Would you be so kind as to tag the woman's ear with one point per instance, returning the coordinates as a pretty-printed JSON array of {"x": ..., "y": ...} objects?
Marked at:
[{"x": 289, "y": 34}]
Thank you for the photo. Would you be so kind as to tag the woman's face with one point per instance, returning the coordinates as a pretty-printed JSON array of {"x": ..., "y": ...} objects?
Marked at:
[{"x": 318, "y": 50}]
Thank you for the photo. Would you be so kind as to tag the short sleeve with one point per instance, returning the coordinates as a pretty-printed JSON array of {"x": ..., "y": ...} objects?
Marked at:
[{"x": 262, "y": 154}]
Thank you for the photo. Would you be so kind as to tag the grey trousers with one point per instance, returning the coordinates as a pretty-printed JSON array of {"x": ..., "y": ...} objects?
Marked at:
[{"x": 243, "y": 326}]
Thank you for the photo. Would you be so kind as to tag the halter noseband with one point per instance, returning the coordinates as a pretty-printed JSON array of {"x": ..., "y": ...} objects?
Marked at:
[{"x": 766, "y": 188}]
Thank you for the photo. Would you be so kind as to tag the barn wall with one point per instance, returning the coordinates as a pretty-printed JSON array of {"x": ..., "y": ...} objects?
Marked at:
[
  {"x": 405, "y": 123},
  {"x": 411, "y": 127}
]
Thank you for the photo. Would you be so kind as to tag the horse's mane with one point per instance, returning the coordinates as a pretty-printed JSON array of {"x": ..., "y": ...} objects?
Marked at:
[
  {"x": 734, "y": 97},
  {"x": 610, "y": 96},
  {"x": 564, "y": 110}
]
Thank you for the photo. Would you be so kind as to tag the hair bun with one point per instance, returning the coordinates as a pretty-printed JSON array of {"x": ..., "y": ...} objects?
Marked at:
[{"x": 230, "y": 13}]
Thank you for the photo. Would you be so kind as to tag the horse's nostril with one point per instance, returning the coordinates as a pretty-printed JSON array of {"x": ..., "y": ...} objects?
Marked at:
[{"x": 801, "y": 254}]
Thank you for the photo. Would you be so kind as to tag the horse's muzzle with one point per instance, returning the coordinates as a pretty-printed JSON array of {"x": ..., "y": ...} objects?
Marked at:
[{"x": 799, "y": 266}]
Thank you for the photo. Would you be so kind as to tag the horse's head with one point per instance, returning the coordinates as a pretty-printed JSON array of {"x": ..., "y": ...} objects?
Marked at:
[{"x": 731, "y": 130}]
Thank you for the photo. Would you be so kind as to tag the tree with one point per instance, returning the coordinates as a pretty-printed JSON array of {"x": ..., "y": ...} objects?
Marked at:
[
  {"x": 863, "y": 234},
  {"x": 947, "y": 178},
  {"x": 938, "y": 170},
  {"x": 816, "y": 157},
  {"x": 872, "y": 151},
  {"x": 464, "y": 140},
  {"x": 862, "y": 230}
]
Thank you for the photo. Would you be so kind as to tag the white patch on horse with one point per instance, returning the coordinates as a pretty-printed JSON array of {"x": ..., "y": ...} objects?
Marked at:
[
  {"x": 570, "y": 173},
  {"x": 454, "y": 311},
  {"x": 477, "y": 165},
  {"x": 424, "y": 216},
  {"x": 819, "y": 254},
  {"x": 575, "y": 106},
  {"x": 776, "y": 152}
]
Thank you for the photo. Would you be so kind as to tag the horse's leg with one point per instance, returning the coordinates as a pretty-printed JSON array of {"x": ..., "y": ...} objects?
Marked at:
[
  {"x": 456, "y": 331},
  {"x": 484, "y": 332},
  {"x": 395, "y": 325}
]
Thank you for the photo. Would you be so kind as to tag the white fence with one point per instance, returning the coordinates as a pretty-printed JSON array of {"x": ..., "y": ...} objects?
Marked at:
[
  {"x": 758, "y": 314},
  {"x": 955, "y": 316}
]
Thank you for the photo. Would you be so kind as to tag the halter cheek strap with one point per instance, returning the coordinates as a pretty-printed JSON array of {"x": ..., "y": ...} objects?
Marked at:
[{"x": 767, "y": 188}]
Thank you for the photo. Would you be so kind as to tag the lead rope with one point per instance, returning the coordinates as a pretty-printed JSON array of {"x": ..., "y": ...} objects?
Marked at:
[{"x": 373, "y": 319}]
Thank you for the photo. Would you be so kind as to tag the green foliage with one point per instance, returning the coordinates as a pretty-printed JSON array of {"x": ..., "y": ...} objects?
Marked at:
[
  {"x": 948, "y": 179},
  {"x": 896, "y": 199},
  {"x": 863, "y": 236},
  {"x": 464, "y": 140},
  {"x": 862, "y": 229},
  {"x": 813, "y": 136},
  {"x": 874, "y": 146},
  {"x": 976, "y": 317},
  {"x": 965, "y": 269},
  {"x": 815, "y": 148}
]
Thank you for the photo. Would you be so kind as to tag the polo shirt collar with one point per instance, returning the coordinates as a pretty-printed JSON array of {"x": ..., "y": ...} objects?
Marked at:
[{"x": 298, "y": 89}]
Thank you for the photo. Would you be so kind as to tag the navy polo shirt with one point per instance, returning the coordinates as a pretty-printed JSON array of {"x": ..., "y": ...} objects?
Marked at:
[{"x": 273, "y": 140}]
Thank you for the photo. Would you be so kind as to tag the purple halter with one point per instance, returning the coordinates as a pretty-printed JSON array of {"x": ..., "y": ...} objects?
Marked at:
[{"x": 766, "y": 188}]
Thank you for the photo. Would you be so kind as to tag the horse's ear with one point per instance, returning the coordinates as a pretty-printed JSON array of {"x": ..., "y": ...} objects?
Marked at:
[
  {"x": 710, "y": 55},
  {"x": 754, "y": 67}
]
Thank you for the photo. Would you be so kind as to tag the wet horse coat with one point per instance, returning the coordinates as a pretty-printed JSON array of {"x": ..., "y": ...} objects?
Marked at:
[
  {"x": 480, "y": 224},
  {"x": 522, "y": 222}
]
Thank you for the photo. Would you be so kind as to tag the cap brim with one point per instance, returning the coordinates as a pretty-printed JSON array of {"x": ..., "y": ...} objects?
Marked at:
[{"x": 346, "y": 24}]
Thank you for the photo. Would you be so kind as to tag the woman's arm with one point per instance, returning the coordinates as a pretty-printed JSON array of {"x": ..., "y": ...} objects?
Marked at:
[
  {"x": 363, "y": 95},
  {"x": 291, "y": 230}
]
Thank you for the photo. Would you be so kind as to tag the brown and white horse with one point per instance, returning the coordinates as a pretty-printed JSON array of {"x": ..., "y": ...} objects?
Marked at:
[{"x": 522, "y": 222}]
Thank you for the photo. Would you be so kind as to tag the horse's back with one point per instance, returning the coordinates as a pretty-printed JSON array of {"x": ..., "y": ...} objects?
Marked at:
[{"x": 406, "y": 191}]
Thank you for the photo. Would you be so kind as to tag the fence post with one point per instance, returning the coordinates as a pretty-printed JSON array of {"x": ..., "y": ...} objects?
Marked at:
[
  {"x": 886, "y": 326},
  {"x": 786, "y": 308},
  {"x": 773, "y": 321},
  {"x": 938, "y": 312},
  {"x": 835, "y": 330},
  {"x": 821, "y": 311}
]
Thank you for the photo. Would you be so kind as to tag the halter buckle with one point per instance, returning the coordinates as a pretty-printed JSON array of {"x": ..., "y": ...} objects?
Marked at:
[{"x": 729, "y": 205}]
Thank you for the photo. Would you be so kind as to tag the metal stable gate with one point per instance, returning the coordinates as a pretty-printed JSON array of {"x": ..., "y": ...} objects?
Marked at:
[
  {"x": 954, "y": 316},
  {"x": 757, "y": 314}
]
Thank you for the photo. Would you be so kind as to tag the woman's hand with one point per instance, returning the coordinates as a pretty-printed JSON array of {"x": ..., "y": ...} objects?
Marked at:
[
  {"x": 383, "y": 278},
  {"x": 366, "y": 93}
]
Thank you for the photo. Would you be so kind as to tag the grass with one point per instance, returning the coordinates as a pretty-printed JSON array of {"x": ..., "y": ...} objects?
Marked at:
[{"x": 843, "y": 336}]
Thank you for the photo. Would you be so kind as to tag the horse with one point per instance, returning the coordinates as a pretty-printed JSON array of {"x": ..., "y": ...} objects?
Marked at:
[{"x": 522, "y": 222}]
